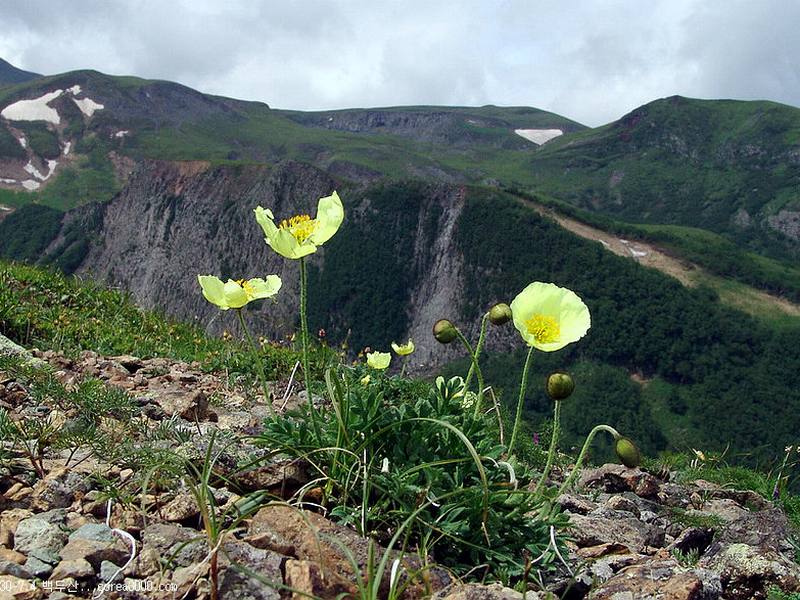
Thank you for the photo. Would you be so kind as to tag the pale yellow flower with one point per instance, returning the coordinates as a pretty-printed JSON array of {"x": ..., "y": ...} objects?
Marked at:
[
  {"x": 300, "y": 235},
  {"x": 378, "y": 360},
  {"x": 404, "y": 349},
  {"x": 549, "y": 317},
  {"x": 235, "y": 294}
]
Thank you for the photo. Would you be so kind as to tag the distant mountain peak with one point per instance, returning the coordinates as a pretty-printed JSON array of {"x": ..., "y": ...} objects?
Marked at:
[{"x": 10, "y": 74}]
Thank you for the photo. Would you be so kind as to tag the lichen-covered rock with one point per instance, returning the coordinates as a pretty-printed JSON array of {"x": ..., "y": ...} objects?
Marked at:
[
  {"x": 748, "y": 571},
  {"x": 658, "y": 580}
]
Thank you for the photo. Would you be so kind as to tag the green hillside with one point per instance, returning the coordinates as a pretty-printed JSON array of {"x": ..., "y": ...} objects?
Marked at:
[{"x": 721, "y": 165}]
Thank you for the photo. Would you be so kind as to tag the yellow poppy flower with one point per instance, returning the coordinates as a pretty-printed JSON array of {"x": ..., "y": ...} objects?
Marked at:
[
  {"x": 235, "y": 294},
  {"x": 403, "y": 349},
  {"x": 378, "y": 360},
  {"x": 300, "y": 235},
  {"x": 549, "y": 317}
]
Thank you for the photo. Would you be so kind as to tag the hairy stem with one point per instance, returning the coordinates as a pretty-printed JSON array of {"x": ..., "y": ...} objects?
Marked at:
[
  {"x": 551, "y": 453},
  {"x": 476, "y": 366},
  {"x": 261, "y": 374},
  {"x": 522, "y": 387},
  {"x": 582, "y": 456},
  {"x": 305, "y": 342}
]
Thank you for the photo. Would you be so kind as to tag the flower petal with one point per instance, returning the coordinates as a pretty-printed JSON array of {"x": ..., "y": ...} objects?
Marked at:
[
  {"x": 213, "y": 290},
  {"x": 330, "y": 214},
  {"x": 235, "y": 296},
  {"x": 260, "y": 288},
  {"x": 378, "y": 360}
]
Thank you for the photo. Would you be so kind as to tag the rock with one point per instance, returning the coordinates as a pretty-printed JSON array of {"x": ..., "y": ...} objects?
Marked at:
[
  {"x": 624, "y": 504},
  {"x": 576, "y": 504},
  {"x": 95, "y": 551},
  {"x": 656, "y": 580},
  {"x": 310, "y": 535},
  {"x": 282, "y": 477},
  {"x": 693, "y": 539},
  {"x": 108, "y": 570},
  {"x": 9, "y": 520},
  {"x": 146, "y": 563},
  {"x": 593, "y": 530},
  {"x": 34, "y": 533},
  {"x": 236, "y": 585},
  {"x": 723, "y": 508},
  {"x": 477, "y": 591},
  {"x": 191, "y": 405},
  {"x": 38, "y": 568},
  {"x": 182, "y": 545},
  {"x": 11, "y": 568},
  {"x": 12, "y": 555},
  {"x": 180, "y": 508},
  {"x": 307, "y": 579},
  {"x": 766, "y": 528},
  {"x": 748, "y": 571},
  {"x": 613, "y": 478},
  {"x": 59, "y": 489},
  {"x": 77, "y": 568}
]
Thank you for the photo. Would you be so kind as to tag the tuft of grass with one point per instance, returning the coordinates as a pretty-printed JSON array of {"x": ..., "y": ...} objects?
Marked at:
[{"x": 46, "y": 309}]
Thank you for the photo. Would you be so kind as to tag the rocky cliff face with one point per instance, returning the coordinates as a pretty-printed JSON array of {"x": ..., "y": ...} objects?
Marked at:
[{"x": 174, "y": 221}]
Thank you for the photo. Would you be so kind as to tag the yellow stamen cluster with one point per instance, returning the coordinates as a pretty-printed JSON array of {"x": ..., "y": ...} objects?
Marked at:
[
  {"x": 300, "y": 226},
  {"x": 245, "y": 285},
  {"x": 544, "y": 328}
]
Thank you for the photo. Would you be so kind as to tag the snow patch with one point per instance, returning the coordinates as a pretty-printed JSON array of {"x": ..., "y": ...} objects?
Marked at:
[
  {"x": 88, "y": 106},
  {"x": 634, "y": 252},
  {"x": 5, "y": 208},
  {"x": 74, "y": 90},
  {"x": 8, "y": 180},
  {"x": 51, "y": 165},
  {"x": 121, "y": 134},
  {"x": 33, "y": 110},
  {"x": 539, "y": 136},
  {"x": 23, "y": 142},
  {"x": 30, "y": 184},
  {"x": 67, "y": 146}
]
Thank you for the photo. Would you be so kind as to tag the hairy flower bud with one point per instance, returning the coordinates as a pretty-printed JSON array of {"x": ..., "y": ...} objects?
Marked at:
[
  {"x": 444, "y": 331},
  {"x": 627, "y": 452},
  {"x": 559, "y": 386},
  {"x": 500, "y": 314}
]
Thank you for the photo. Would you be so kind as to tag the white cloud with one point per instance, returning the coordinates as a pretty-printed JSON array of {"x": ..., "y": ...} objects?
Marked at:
[{"x": 591, "y": 61}]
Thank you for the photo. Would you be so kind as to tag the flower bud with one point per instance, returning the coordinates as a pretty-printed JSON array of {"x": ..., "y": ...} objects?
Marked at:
[
  {"x": 627, "y": 452},
  {"x": 500, "y": 314},
  {"x": 559, "y": 386},
  {"x": 444, "y": 331}
]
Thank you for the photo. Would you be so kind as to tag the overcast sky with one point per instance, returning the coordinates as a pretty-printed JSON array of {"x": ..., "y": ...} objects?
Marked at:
[{"x": 592, "y": 61}]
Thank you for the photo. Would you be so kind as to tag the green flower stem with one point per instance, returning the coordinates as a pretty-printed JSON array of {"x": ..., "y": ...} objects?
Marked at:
[
  {"x": 551, "y": 453},
  {"x": 522, "y": 387},
  {"x": 304, "y": 341},
  {"x": 582, "y": 456},
  {"x": 476, "y": 366},
  {"x": 478, "y": 349},
  {"x": 261, "y": 374},
  {"x": 403, "y": 367}
]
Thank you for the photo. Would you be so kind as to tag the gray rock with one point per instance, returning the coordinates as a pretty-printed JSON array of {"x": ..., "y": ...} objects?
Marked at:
[
  {"x": 747, "y": 571},
  {"x": 34, "y": 533},
  {"x": 8, "y": 567},
  {"x": 477, "y": 591},
  {"x": 93, "y": 531},
  {"x": 38, "y": 568},
  {"x": 108, "y": 569},
  {"x": 236, "y": 585},
  {"x": 593, "y": 530}
]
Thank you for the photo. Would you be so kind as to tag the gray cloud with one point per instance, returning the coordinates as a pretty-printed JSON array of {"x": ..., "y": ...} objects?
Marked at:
[{"x": 590, "y": 61}]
